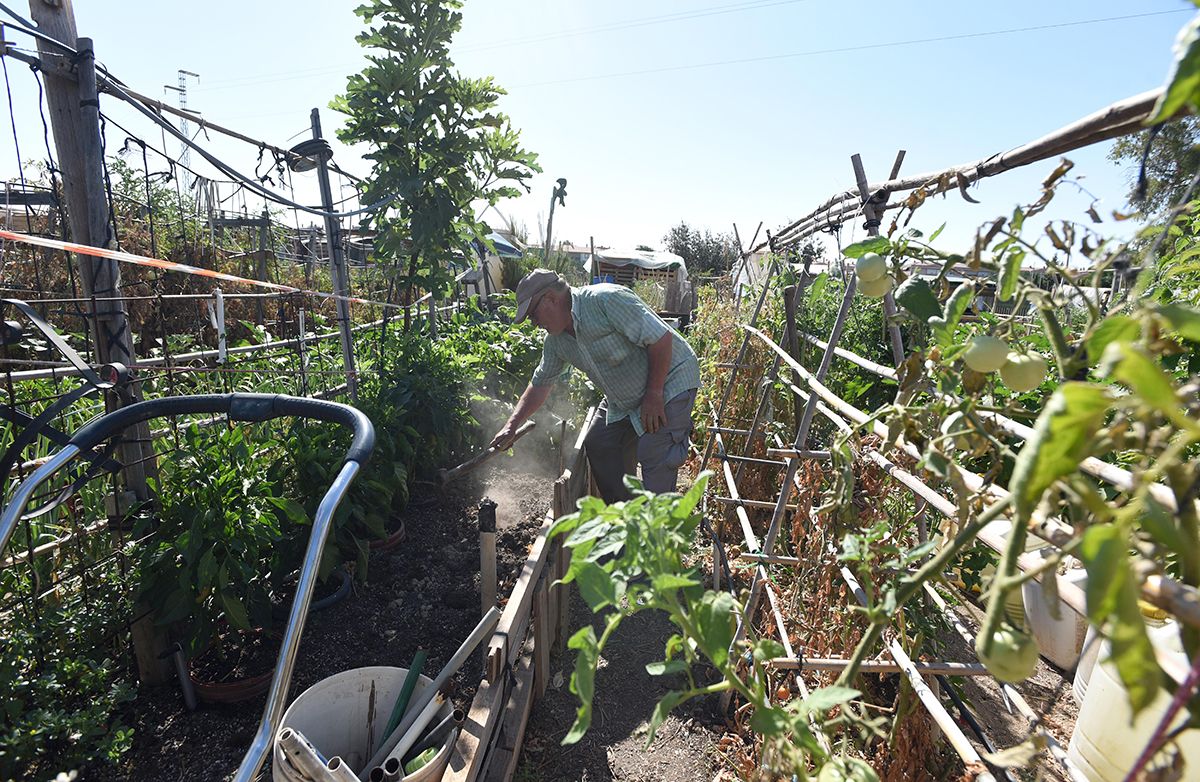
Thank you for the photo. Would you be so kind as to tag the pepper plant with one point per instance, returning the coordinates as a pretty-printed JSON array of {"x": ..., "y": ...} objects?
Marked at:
[
  {"x": 633, "y": 556},
  {"x": 213, "y": 551}
]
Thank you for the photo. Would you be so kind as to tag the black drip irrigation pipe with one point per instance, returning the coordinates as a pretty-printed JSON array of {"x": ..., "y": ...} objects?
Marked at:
[{"x": 976, "y": 728}]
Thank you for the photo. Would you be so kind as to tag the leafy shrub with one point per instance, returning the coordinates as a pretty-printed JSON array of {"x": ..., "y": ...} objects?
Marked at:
[
  {"x": 215, "y": 550},
  {"x": 62, "y": 686}
]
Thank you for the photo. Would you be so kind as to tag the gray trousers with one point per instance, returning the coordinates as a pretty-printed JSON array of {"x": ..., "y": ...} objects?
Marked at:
[{"x": 614, "y": 450}]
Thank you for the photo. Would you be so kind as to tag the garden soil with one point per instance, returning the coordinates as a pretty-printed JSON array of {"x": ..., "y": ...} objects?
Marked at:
[
  {"x": 424, "y": 592},
  {"x": 614, "y": 748}
]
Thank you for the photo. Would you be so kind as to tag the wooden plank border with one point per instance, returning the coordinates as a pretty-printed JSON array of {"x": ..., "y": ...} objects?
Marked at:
[{"x": 485, "y": 748}]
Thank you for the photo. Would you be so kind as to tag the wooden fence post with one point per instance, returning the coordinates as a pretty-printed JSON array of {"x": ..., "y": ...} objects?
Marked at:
[{"x": 74, "y": 109}]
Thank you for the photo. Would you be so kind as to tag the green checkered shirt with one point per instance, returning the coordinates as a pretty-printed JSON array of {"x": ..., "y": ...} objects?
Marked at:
[{"x": 612, "y": 331}]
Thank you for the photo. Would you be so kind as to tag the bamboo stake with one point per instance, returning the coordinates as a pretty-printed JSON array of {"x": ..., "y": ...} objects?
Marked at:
[
  {"x": 1118, "y": 118},
  {"x": 958, "y": 740},
  {"x": 874, "y": 215},
  {"x": 792, "y": 464},
  {"x": 876, "y": 666}
]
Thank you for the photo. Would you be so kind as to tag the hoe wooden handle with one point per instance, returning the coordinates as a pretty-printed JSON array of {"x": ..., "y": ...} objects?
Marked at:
[{"x": 445, "y": 476}]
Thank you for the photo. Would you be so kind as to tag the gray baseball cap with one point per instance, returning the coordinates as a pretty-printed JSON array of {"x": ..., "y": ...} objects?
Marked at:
[{"x": 531, "y": 288}]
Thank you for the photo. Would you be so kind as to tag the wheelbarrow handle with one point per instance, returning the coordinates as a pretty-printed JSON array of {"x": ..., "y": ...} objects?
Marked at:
[{"x": 239, "y": 407}]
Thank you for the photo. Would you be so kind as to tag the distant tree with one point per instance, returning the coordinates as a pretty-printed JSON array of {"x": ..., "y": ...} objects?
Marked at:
[
  {"x": 702, "y": 252},
  {"x": 644, "y": 248},
  {"x": 436, "y": 140},
  {"x": 1172, "y": 160}
]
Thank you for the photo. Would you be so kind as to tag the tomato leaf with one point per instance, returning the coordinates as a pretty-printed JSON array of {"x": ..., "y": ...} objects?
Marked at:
[
  {"x": 714, "y": 625},
  {"x": 1185, "y": 321},
  {"x": 583, "y": 680},
  {"x": 661, "y": 711},
  {"x": 1183, "y": 82},
  {"x": 770, "y": 721},
  {"x": 915, "y": 295},
  {"x": 235, "y": 611},
  {"x": 1112, "y": 592},
  {"x": 1010, "y": 273},
  {"x": 1116, "y": 328},
  {"x": 956, "y": 306},
  {"x": 665, "y": 667},
  {"x": 1134, "y": 368},
  {"x": 1061, "y": 439},
  {"x": 597, "y": 587},
  {"x": 667, "y": 582},
  {"x": 1161, "y": 525},
  {"x": 826, "y": 698},
  {"x": 688, "y": 502},
  {"x": 876, "y": 244}
]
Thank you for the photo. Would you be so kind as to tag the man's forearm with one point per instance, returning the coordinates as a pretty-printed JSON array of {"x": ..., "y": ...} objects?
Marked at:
[
  {"x": 532, "y": 399},
  {"x": 658, "y": 363}
]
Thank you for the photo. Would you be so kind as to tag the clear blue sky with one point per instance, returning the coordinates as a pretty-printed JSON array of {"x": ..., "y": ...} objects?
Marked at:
[{"x": 708, "y": 111}]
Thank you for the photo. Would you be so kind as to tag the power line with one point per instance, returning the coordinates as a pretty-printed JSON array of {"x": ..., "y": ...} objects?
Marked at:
[
  {"x": 114, "y": 86},
  {"x": 632, "y": 23},
  {"x": 857, "y": 48},
  {"x": 645, "y": 21}
]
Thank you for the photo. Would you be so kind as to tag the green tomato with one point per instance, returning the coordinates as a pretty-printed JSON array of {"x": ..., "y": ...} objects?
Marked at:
[
  {"x": 843, "y": 769},
  {"x": 870, "y": 266},
  {"x": 877, "y": 288},
  {"x": 1011, "y": 656},
  {"x": 986, "y": 354},
  {"x": 1023, "y": 371}
]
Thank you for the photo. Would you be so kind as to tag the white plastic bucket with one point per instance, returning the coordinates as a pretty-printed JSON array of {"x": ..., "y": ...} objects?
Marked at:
[
  {"x": 1107, "y": 738},
  {"x": 1087, "y": 663},
  {"x": 1058, "y": 639},
  {"x": 346, "y": 714}
]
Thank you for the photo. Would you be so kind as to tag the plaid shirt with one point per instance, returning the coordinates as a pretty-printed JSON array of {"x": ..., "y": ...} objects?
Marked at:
[{"x": 613, "y": 328}]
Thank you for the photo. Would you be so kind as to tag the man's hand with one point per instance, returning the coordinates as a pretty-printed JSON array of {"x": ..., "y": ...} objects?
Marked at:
[
  {"x": 654, "y": 412},
  {"x": 504, "y": 438}
]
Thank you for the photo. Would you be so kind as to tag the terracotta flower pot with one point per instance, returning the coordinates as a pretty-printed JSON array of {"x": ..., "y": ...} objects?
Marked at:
[
  {"x": 390, "y": 542},
  {"x": 235, "y": 690}
]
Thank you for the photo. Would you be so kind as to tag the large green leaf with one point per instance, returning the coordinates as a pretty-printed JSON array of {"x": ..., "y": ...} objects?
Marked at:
[
  {"x": 1184, "y": 320},
  {"x": 583, "y": 680},
  {"x": 1133, "y": 367},
  {"x": 1010, "y": 272},
  {"x": 1115, "y": 328},
  {"x": 1112, "y": 594},
  {"x": 1062, "y": 438},
  {"x": 666, "y": 667},
  {"x": 713, "y": 617},
  {"x": 770, "y": 721},
  {"x": 687, "y": 503},
  {"x": 661, "y": 711},
  {"x": 915, "y": 295},
  {"x": 1183, "y": 82},
  {"x": 876, "y": 244},
  {"x": 235, "y": 611},
  {"x": 826, "y": 698},
  {"x": 597, "y": 587},
  {"x": 943, "y": 327}
]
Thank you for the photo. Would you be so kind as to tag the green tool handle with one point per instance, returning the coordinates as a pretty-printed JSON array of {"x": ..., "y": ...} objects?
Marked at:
[{"x": 410, "y": 684}]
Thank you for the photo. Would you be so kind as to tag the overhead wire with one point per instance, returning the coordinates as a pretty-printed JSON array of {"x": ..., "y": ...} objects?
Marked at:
[
  {"x": 679, "y": 16},
  {"x": 114, "y": 86},
  {"x": 854, "y": 48}
]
